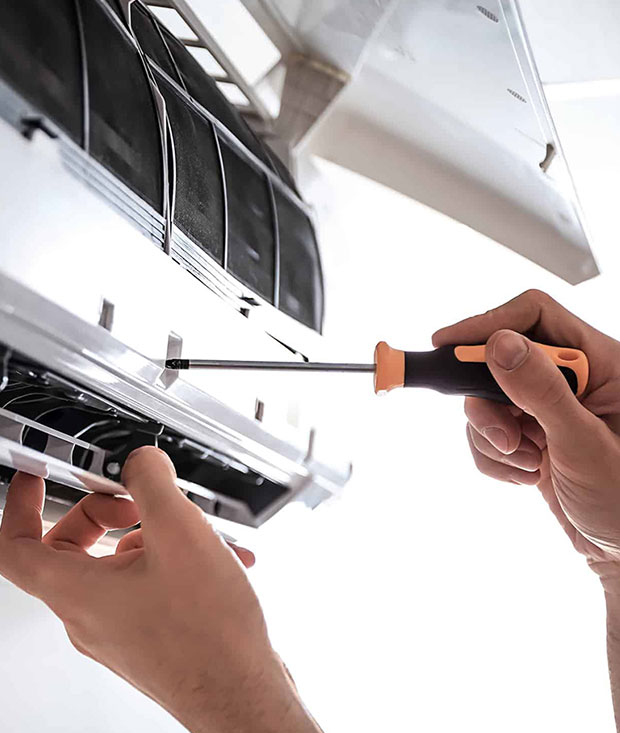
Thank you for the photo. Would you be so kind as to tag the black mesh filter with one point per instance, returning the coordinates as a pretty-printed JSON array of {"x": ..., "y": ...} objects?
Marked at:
[
  {"x": 251, "y": 248},
  {"x": 124, "y": 132},
  {"x": 199, "y": 210},
  {"x": 204, "y": 90},
  {"x": 151, "y": 41},
  {"x": 40, "y": 57},
  {"x": 301, "y": 280}
]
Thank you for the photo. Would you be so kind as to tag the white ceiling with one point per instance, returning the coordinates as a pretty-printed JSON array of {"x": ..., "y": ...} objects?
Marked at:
[{"x": 574, "y": 40}]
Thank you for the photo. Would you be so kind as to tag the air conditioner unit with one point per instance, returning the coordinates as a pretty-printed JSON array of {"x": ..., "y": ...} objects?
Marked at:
[{"x": 143, "y": 219}]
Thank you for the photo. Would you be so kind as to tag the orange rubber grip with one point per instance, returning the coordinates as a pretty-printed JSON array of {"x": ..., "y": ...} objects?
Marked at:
[
  {"x": 570, "y": 358},
  {"x": 389, "y": 368}
]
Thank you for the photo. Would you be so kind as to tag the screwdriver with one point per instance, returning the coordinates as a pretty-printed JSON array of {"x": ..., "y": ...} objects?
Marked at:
[{"x": 457, "y": 370}]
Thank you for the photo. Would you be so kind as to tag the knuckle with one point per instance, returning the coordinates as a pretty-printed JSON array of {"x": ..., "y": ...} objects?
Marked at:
[
  {"x": 491, "y": 314},
  {"x": 536, "y": 296},
  {"x": 78, "y": 646}
]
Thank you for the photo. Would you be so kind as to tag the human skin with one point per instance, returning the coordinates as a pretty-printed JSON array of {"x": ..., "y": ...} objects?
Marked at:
[
  {"x": 172, "y": 612},
  {"x": 568, "y": 447}
]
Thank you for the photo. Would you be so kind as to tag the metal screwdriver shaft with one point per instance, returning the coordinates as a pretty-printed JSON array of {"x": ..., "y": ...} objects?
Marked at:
[{"x": 307, "y": 366}]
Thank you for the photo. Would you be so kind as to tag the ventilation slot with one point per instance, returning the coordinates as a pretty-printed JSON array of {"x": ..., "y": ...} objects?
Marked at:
[
  {"x": 516, "y": 95},
  {"x": 487, "y": 13}
]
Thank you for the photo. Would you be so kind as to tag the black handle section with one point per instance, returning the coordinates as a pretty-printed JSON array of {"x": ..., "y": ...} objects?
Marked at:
[{"x": 442, "y": 371}]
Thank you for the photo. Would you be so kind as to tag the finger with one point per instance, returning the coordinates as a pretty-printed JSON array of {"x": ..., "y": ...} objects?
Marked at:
[
  {"x": 24, "y": 559},
  {"x": 246, "y": 556},
  {"x": 527, "y": 457},
  {"x": 530, "y": 311},
  {"x": 501, "y": 471},
  {"x": 131, "y": 541},
  {"x": 534, "y": 383},
  {"x": 165, "y": 513},
  {"x": 150, "y": 478},
  {"x": 23, "y": 507},
  {"x": 496, "y": 422},
  {"x": 531, "y": 429},
  {"x": 89, "y": 520},
  {"x": 35, "y": 568}
]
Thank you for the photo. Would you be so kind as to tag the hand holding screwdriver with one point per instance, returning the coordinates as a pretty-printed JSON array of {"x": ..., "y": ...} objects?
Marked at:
[{"x": 569, "y": 447}]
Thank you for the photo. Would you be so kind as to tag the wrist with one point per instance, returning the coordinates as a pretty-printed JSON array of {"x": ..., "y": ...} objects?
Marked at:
[{"x": 263, "y": 701}]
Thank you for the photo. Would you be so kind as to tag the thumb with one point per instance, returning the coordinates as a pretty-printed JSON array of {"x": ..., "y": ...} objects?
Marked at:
[
  {"x": 166, "y": 515},
  {"x": 535, "y": 384},
  {"x": 150, "y": 479}
]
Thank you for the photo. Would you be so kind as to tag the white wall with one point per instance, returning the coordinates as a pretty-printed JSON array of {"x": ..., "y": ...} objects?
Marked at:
[{"x": 47, "y": 686}]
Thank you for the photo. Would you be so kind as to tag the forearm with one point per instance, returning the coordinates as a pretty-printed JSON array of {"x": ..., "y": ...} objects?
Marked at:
[
  {"x": 613, "y": 649},
  {"x": 268, "y": 704},
  {"x": 265, "y": 719}
]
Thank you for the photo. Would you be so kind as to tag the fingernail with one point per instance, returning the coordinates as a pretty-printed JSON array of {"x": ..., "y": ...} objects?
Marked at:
[
  {"x": 497, "y": 437},
  {"x": 524, "y": 460},
  {"x": 510, "y": 350}
]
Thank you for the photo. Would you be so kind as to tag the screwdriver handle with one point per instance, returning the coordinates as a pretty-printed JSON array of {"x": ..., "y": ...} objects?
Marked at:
[{"x": 462, "y": 370}]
